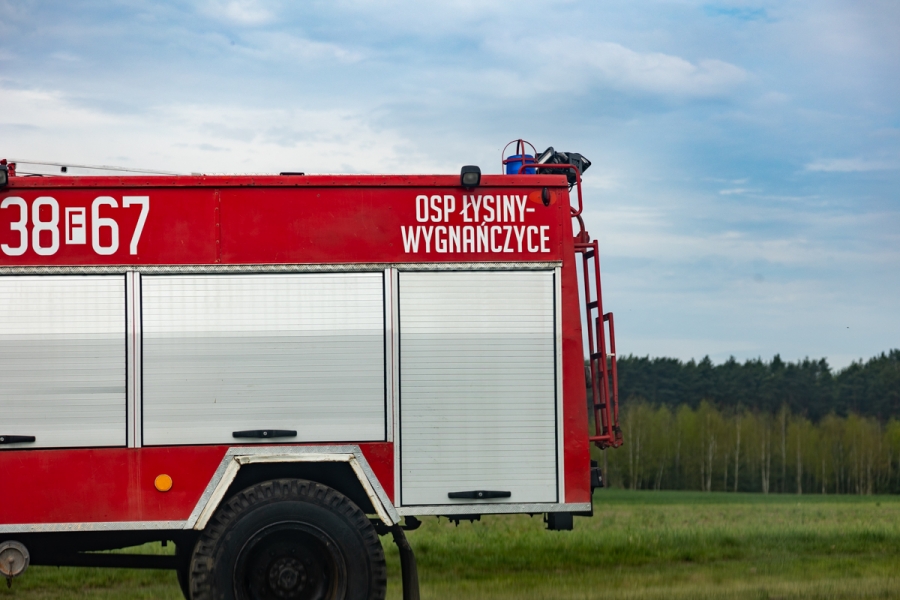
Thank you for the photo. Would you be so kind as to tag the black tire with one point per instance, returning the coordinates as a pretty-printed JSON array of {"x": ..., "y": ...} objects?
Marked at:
[{"x": 288, "y": 539}]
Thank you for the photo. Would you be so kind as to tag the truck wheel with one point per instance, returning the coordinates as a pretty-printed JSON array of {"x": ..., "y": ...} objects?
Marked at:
[{"x": 288, "y": 539}]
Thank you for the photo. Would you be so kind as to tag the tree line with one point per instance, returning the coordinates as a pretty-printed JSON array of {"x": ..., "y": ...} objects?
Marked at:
[
  {"x": 806, "y": 387},
  {"x": 705, "y": 448},
  {"x": 759, "y": 426}
]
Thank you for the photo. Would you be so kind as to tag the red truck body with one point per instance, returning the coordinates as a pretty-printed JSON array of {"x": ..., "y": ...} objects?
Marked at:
[{"x": 393, "y": 233}]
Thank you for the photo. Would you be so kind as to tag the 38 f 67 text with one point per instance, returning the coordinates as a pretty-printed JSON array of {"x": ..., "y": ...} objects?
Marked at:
[{"x": 52, "y": 226}]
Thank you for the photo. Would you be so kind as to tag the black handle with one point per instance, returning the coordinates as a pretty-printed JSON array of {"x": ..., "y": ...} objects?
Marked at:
[
  {"x": 16, "y": 439},
  {"x": 478, "y": 495},
  {"x": 264, "y": 434}
]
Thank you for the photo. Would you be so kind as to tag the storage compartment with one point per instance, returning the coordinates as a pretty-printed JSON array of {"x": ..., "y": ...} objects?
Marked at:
[
  {"x": 62, "y": 360},
  {"x": 229, "y": 353},
  {"x": 477, "y": 387}
]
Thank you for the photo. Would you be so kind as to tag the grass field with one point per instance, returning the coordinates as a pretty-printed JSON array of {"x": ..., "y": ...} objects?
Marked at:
[{"x": 639, "y": 545}]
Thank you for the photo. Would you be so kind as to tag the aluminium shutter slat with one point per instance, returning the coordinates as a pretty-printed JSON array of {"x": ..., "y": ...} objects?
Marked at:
[
  {"x": 477, "y": 377},
  {"x": 62, "y": 360},
  {"x": 225, "y": 353}
]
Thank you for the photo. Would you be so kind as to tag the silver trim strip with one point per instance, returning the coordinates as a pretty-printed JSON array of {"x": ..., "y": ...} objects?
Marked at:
[
  {"x": 233, "y": 467},
  {"x": 560, "y": 406},
  {"x": 218, "y": 494},
  {"x": 395, "y": 349},
  {"x": 389, "y": 360},
  {"x": 135, "y": 360},
  {"x": 468, "y": 509},
  {"x": 276, "y": 268},
  {"x": 492, "y": 509},
  {"x": 100, "y": 526},
  {"x": 235, "y": 457}
]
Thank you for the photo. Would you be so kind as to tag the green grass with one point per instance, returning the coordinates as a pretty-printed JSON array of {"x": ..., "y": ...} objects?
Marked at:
[{"x": 640, "y": 545}]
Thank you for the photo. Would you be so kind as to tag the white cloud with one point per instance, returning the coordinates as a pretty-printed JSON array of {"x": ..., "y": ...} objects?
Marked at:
[
  {"x": 241, "y": 12},
  {"x": 689, "y": 348},
  {"x": 773, "y": 99},
  {"x": 624, "y": 69},
  {"x": 44, "y": 109},
  {"x": 805, "y": 241},
  {"x": 850, "y": 165},
  {"x": 65, "y": 57},
  {"x": 210, "y": 138},
  {"x": 284, "y": 46},
  {"x": 661, "y": 73}
]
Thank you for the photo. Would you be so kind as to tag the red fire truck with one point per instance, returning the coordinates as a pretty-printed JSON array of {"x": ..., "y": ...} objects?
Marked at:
[{"x": 272, "y": 371}]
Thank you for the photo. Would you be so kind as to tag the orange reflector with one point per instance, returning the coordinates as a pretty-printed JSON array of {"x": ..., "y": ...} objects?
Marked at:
[{"x": 163, "y": 483}]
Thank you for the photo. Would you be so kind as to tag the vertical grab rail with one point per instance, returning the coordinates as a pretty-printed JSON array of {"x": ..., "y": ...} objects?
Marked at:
[{"x": 604, "y": 390}]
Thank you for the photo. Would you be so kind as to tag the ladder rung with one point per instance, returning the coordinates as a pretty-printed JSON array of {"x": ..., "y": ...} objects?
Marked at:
[
  {"x": 589, "y": 254},
  {"x": 596, "y": 356}
]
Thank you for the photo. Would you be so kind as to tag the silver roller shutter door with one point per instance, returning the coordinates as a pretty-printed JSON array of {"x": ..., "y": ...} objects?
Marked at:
[
  {"x": 477, "y": 381},
  {"x": 225, "y": 353},
  {"x": 62, "y": 360}
]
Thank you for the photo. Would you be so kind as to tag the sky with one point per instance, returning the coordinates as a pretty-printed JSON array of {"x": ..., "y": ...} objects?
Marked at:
[{"x": 745, "y": 186}]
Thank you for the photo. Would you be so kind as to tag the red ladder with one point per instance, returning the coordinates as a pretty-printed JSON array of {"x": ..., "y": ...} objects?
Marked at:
[{"x": 604, "y": 375}]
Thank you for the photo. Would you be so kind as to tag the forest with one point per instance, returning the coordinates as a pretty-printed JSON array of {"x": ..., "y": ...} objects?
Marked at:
[
  {"x": 807, "y": 387},
  {"x": 759, "y": 426}
]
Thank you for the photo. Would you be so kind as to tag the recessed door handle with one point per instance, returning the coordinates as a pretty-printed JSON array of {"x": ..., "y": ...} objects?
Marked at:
[
  {"x": 16, "y": 439},
  {"x": 265, "y": 434},
  {"x": 479, "y": 495}
]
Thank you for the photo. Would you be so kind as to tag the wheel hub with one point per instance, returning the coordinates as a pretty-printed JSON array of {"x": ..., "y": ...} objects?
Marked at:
[
  {"x": 287, "y": 577},
  {"x": 290, "y": 561}
]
